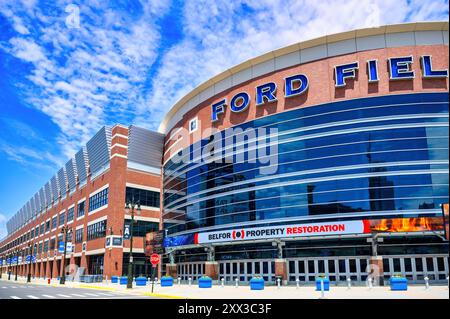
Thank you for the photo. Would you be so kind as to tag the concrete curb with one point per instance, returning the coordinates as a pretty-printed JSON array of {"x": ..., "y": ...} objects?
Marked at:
[
  {"x": 95, "y": 287},
  {"x": 83, "y": 286},
  {"x": 163, "y": 296}
]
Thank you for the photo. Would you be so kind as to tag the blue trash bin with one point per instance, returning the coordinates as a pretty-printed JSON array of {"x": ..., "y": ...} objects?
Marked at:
[
  {"x": 204, "y": 282},
  {"x": 166, "y": 281},
  {"x": 141, "y": 281},
  {"x": 114, "y": 279},
  {"x": 326, "y": 284},
  {"x": 257, "y": 283},
  {"x": 398, "y": 283},
  {"x": 123, "y": 280}
]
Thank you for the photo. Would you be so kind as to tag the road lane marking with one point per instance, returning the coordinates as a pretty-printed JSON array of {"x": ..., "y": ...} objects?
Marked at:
[
  {"x": 48, "y": 296},
  {"x": 65, "y": 296},
  {"x": 15, "y": 297},
  {"x": 32, "y": 297},
  {"x": 5, "y": 287}
]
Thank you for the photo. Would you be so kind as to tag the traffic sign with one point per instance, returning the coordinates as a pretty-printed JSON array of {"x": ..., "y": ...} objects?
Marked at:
[{"x": 154, "y": 259}]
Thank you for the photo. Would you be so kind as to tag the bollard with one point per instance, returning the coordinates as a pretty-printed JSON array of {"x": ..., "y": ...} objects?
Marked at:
[
  {"x": 278, "y": 283},
  {"x": 297, "y": 282},
  {"x": 222, "y": 282},
  {"x": 322, "y": 289},
  {"x": 370, "y": 282},
  {"x": 427, "y": 283},
  {"x": 190, "y": 281},
  {"x": 349, "y": 283},
  {"x": 447, "y": 282},
  {"x": 237, "y": 282},
  {"x": 179, "y": 281},
  {"x": 156, "y": 280}
]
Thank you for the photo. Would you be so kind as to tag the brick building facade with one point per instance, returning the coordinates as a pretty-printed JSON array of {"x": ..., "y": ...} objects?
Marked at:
[{"x": 94, "y": 209}]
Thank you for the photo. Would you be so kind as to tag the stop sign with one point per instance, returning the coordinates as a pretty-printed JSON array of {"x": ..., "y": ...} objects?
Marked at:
[{"x": 154, "y": 259}]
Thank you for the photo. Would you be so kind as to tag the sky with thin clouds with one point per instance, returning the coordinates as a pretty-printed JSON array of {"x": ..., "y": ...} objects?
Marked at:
[{"x": 69, "y": 67}]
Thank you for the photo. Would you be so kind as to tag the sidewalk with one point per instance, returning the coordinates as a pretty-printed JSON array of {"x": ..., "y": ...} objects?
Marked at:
[{"x": 271, "y": 292}]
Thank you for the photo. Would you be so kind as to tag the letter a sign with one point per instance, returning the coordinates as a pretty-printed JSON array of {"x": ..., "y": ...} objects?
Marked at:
[{"x": 126, "y": 232}]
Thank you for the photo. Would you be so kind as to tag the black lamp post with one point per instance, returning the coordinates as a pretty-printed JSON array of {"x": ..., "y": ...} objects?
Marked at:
[
  {"x": 65, "y": 231},
  {"x": 10, "y": 266},
  {"x": 17, "y": 264},
  {"x": 30, "y": 250},
  {"x": 129, "y": 207}
]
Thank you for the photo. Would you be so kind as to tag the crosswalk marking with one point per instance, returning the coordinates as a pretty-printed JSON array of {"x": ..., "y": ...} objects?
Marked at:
[
  {"x": 65, "y": 296},
  {"x": 5, "y": 287},
  {"x": 105, "y": 294},
  {"x": 32, "y": 297},
  {"x": 15, "y": 297},
  {"x": 89, "y": 294},
  {"x": 13, "y": 287},
  {"x": 77, "y": 295},
  {"x": 48, "y": 296}
]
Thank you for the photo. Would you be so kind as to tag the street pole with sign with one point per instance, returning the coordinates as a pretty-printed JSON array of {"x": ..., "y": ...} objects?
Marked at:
[
  {"x": 154, "y": 260},
  {"x": 66, "y": 231},
  {"x": 130, "y": 207},
  {"x": 17, "y": 263},
  {"x": 30, "y": 250},
  {"x": 10, "y": 266}
]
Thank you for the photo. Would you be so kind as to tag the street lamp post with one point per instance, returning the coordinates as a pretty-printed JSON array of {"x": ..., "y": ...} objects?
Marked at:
[
  {"x": 30, "y": 250},
  {"x": 65, "y": 231},
  {"x": 10, "y": 266},
  {"x": 130, "y": 206},
  {"x": 17, "y": 264}
]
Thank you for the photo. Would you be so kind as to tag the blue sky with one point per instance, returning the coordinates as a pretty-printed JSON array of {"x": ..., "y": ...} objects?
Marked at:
[{"x": 129, "y": 61}]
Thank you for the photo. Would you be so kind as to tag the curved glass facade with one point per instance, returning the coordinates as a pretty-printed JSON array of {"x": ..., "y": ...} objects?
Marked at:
[{"x": 369, "y": 158}]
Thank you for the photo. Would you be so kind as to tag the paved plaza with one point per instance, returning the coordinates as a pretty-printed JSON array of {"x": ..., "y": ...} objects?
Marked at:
[{"x": 185, "y": 291}]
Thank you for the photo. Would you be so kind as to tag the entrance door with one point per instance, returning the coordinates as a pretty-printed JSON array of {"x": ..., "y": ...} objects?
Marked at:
[
  {"x": 96, "y": 264},
  {"x": 415, "y": 268},
  {"x": 191, "y": 270},
  {"x": 244, "y": 270},
  {"x": 337, "y": 269}
]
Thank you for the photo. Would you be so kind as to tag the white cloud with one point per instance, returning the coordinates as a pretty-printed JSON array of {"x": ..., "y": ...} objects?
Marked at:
[
  {"x": 99, "y": 73},
  {"x": 224, "y": 33},
  {"x": 3, "y": 221},
  {"x": 88, "y": 77}
]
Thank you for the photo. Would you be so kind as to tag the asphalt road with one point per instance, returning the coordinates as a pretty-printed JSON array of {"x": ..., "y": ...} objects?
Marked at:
[{"x": 14, "y": 290}]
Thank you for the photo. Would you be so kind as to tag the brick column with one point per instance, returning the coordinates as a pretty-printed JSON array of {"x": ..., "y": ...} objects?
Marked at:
[
  {"x": 113, "y": 262},
  {"x": 83, "y": 263},
  {"x": 55, "y": 269},
  {"x": 119, "y": 151},
  {"x": 376, "y": 268},
  {"x": 281, "y": 269},
  {"x": 171, "y": 270},
  {"x": 212, "y": 269},
  {"x": 47, "y": 269}
]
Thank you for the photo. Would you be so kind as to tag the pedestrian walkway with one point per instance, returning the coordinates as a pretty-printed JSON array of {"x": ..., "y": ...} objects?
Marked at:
[
  {"x": 98, "y": 295},
  {"x": 243, "y": 292}
]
